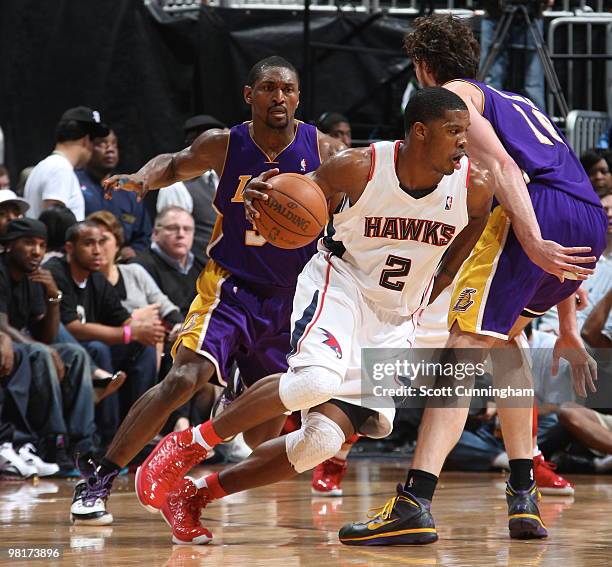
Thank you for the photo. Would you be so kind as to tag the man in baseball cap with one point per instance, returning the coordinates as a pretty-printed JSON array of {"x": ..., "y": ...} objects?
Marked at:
[
  {"x": 89, "y": 119},
  {"x": 11, "y": 207},
  {"x": 53, "y": 181}
]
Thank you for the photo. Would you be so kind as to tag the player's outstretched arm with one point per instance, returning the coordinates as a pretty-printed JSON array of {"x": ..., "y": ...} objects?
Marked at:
[
  {"x": 480, "y": 196},
  {"x": 511, "y": 191},
  {"x": 345, "y": 172},
  {"x": 206, "y": 152}
]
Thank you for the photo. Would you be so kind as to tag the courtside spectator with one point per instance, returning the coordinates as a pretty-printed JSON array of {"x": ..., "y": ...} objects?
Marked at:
[
  {"x": 196, "y": 195},
  {"x": 124, "y": 205},
  {"x": 135, "y": 287},
  {"x": 15, "y": 380},
  {"x": 337, "y": 126},
  {"x": 11, "y": 207},
  {"x": 61, "y": 408},
  {"x": 58, "y": 219},
  {"x": 170, "y": 260},
  {"x": 53, "y": 181},
  {"x": 598, "y": 170},
  {"x": 92, "y": 312}
]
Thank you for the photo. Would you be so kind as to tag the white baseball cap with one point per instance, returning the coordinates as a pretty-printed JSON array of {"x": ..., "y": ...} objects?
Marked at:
[{"x": 8, "y": 196}]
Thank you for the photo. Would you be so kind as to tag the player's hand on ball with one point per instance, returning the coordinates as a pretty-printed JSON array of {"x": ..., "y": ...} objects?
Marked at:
[
  {"x": 122, "y": 182},
  {"x": 253, "y": 191},
  {"x": 560, "y": 261}
]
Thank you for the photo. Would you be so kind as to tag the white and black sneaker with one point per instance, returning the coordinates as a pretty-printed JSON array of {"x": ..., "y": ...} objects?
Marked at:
[
  {"x": 12, "y": 465},
  {"x": 28, "y": 454},
  {"x": 89, "y": 501}
]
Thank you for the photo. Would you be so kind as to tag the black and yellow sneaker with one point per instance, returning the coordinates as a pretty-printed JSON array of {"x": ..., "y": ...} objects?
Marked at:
[
  {"x": 403, "y": 520},
  {"x": 524, "y": 521}
]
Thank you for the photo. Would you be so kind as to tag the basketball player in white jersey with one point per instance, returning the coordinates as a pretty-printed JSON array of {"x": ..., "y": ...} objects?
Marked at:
[{"x": 414, "y": 210}]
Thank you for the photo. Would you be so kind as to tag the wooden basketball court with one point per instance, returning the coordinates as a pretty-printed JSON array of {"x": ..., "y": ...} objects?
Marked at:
[{"x": 284, "y": 526}]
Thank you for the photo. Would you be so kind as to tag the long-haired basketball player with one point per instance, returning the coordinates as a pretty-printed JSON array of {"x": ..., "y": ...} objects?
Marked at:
[{"x": 503, "y": 285}]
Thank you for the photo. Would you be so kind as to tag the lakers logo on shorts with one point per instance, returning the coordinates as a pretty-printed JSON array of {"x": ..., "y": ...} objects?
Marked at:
[
  {"x": 464, "y": 301},
  {"x": 190, "y": 322}
]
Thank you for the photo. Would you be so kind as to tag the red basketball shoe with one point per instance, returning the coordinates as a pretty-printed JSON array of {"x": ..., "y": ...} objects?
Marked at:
[
  {"x": 182, "y": 510},
  {"x": 173, "y": 456},
  {"x": 548, "y": 481},
  {"x": 327, "y": 476}
]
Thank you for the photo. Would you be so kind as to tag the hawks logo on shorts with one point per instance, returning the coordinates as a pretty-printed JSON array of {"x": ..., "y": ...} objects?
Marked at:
[
  {"x": 332, "y": 342},
  {"x": 464, "y": 301}
]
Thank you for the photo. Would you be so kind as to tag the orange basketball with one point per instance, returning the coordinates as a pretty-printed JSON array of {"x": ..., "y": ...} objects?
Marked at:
[{"x": 294, "y": 213}]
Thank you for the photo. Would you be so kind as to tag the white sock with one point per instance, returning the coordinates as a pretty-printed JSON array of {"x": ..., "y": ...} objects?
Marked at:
[
  {"x": 501, "y": 461},
  {"x": 197, "y": 438},
  {"x": 603, "y": 464}
]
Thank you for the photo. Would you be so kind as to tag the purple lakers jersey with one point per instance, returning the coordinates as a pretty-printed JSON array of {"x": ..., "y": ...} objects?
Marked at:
[
  {"x": 234, "y": 244},
  {"x": 535, "y": 143}
]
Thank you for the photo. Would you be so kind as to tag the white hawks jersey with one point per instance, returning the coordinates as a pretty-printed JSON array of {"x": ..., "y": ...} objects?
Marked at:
[{"x": 391, "y": 243}]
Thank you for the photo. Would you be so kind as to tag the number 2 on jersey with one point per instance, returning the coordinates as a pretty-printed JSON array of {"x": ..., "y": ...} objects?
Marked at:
[{"x": 399, "y": 269}]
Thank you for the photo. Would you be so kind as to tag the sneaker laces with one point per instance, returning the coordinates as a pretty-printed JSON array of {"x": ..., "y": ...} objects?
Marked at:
[
  {"x": 99, "y": 488},
  {"x": 383, "y": 512},
  {"x": 190, "y": 456}
]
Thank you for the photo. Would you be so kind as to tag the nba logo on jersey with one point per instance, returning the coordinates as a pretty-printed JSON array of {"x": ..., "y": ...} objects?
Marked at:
[
  {"x": 449, "y": 203},
  {"x": 303, "y": 165}
]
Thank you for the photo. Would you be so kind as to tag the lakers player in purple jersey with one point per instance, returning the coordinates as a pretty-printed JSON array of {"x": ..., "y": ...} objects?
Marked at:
[
  {"x": 242, "y": 309},
  {"x": 524, "y": 264},
  {"x": 351, "y": 295}
]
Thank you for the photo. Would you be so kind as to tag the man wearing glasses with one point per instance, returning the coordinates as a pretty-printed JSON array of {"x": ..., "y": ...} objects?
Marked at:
[{"x": 170, "y": 260}]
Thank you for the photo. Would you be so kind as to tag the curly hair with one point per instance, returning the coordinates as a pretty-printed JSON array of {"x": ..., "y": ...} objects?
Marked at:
[{"x": 446, "y": 45}]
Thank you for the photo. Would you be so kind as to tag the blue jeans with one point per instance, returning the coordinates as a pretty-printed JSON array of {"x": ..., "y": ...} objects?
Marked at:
[
  {"x": 14, "y": 396},
  {"x": 519, "y": 37},
  {"x": 66, "y": 407}
]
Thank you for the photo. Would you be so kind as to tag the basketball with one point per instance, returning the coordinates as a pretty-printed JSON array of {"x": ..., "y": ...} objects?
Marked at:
[{"x": 294, "y": 213}]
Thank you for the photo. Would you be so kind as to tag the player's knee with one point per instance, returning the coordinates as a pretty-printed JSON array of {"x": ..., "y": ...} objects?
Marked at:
[
  {"x": 319, "y": 439},
  {"x": 307, "y": 387},
  {"x": 180, "y": 382}
]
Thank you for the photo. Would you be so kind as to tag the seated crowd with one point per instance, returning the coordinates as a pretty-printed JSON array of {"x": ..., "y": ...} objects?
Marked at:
[{"x": 93, "y": 292}]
